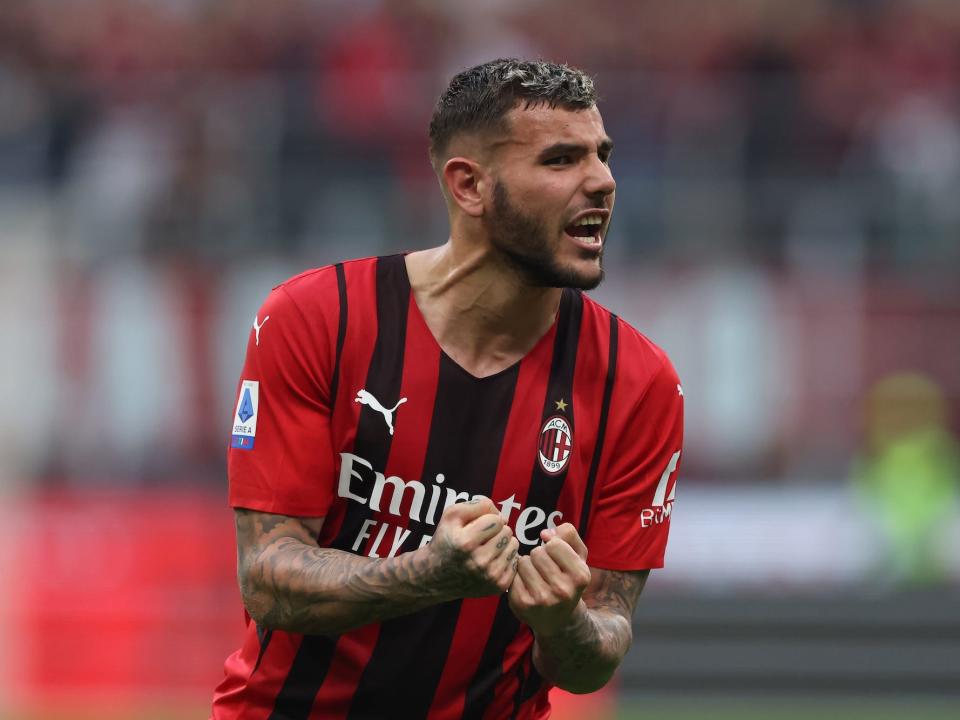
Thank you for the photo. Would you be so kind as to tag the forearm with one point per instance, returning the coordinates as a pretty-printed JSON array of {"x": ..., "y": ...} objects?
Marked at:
[
  {"x": 584, "y": 654},
  {"x": 302, "y": 588}
]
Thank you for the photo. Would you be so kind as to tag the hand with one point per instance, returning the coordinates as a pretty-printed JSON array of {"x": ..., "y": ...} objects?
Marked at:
[
  {"x": 473, "y": 551},
  {"x": 549, "y": 582}
]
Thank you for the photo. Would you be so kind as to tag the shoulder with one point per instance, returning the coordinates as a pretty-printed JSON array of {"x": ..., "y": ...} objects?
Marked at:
[
  {"x": 318, "y": 291},
  {"x": 306, "y": 308},
  {"x": 641, "y": 363},
  {"x": 321, "y": 281}
]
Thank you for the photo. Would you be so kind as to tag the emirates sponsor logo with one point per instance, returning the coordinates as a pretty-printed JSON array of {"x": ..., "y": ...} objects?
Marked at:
[{"x": 425, "y": 503}]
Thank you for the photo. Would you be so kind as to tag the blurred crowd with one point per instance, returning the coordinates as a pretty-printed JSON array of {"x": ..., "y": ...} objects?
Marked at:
[
  {"x": 787, "y": 228},
  {"x": 213, "y": 128},
  {"x": 787, "y": 224}
]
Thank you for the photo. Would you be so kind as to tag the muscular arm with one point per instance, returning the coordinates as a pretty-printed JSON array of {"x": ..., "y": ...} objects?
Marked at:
[
  {"x": 290, "y": 583},
  {"x": 581, "y": 617},
  {"x": 582, "y": 655}
]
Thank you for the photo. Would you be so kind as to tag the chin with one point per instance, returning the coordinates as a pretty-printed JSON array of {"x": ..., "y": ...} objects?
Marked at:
[
  {"x": 577, "y": 276},
  {"x": 589, "y": 281}
]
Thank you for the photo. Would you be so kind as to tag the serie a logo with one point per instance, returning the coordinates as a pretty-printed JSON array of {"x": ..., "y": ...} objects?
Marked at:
[{"x": 556, "y": 442}]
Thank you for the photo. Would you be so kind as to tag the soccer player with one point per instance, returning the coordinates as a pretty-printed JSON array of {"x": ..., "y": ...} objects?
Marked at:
[{"x": 451, "y": 470}]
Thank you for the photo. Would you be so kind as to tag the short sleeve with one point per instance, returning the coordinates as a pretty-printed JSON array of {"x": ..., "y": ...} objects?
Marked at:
[
  {"x": 636, "y": 488},
  {"x": 280, "y": 458}
]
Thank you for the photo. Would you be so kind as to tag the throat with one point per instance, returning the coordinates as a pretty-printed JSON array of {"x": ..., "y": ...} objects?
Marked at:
[{"x": 479, "y": 316}]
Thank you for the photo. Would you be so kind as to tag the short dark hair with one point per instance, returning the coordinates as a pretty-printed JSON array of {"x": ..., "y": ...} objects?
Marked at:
[{"x": 479, "y": 99}]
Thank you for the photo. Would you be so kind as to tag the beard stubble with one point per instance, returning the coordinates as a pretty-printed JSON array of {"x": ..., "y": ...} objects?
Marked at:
[{"x": 524, "y": 242}]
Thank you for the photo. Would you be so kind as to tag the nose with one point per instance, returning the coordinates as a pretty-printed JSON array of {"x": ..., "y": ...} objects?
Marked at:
[{"x": 599, "y": 182}]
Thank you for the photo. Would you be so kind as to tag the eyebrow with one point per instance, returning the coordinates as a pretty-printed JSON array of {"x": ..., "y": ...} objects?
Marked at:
[{"x": 605, "y": 145}]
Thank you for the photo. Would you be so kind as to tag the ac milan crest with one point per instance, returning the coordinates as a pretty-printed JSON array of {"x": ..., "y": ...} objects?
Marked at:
[{"x": 556, "y": 442}]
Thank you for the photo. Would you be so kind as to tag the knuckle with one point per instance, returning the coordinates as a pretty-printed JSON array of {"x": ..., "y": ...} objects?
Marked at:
[{"x": 460, "y": 545}]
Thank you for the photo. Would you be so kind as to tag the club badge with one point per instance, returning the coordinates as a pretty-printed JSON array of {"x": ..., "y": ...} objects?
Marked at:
[{"x": 556, "y": 442}]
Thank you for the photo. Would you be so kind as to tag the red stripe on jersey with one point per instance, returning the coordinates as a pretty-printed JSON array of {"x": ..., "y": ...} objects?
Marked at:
[
  {"x": 408, "y": 448},
  {"x": 473, "y": 627},
  {"x": 411, "y": 429},
  {"x": 516, "y": 664},
  {"x": 241, "y": 695},
  {"x": 359, "y": 342},
  {"x": 588, "y": 385},
  {"x": 522, "y": 436},
  {"x": 352, "y": 653},
  {"x": 509, "y": 490}
]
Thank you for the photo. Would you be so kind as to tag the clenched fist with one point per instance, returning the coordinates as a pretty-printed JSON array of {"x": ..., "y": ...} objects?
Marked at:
[
  {"x": 473, "y": 552},
  {"x": 549, "y": 582}
]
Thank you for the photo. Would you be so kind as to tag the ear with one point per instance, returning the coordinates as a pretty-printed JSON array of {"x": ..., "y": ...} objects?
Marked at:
[{"x": 465, "y": 182}]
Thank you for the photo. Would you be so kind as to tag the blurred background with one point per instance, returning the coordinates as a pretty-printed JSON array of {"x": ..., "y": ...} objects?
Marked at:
[{"x": 787, "y": 228}]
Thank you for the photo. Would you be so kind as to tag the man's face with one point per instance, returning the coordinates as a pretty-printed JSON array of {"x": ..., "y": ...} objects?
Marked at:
[{"x": 552, "y": 196}]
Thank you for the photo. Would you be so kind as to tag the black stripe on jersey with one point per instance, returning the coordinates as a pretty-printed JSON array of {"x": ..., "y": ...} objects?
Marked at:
[
  {"x": 532, "y": 684},
  {"x": 466, "y": 434},
  {"x": 264, "y": 636},
  {"x": 310, "y": 666},
  {"x": 544, "y": 493},
  {"x": 341, "y": 333},
  {"x": 602, "y": 426},
  {"x": 384, "y": 376}
]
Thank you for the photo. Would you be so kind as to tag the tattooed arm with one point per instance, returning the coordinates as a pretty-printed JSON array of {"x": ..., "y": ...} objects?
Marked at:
[
  {"x": 290, "y": 583},
  {"x": 583, "y": 655},
  {"x": 581, "y": 617}
]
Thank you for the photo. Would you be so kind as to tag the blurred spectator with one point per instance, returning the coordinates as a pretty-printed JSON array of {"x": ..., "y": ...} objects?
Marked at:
[
  {"x": 910, "y": 476},
  {"x": 813, "y": 147}
]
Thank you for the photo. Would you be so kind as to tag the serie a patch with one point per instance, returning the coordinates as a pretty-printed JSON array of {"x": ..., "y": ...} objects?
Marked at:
[{"x": 245, "y": 419}]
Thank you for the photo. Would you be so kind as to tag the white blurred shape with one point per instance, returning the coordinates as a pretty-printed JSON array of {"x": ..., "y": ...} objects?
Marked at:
[
  {"x": 137, "y": 398},
  {"x": 28, "y": 377}
]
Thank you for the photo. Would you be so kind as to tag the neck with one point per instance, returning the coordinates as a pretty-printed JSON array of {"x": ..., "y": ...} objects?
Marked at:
[{"x": 479, "y": 309}]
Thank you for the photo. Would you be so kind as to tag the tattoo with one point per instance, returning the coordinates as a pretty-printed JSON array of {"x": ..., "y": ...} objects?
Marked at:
[
  {"x": 616, "y": 591},
  {"x": 502, "y": 543},
  {"x": 584, "y": 656},
  {"x": 290, "y": 583},
  {"x": 491, "y": 526}
]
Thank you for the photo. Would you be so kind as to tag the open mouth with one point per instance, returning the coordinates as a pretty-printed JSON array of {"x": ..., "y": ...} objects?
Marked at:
[{"x": 586, "y": 229}]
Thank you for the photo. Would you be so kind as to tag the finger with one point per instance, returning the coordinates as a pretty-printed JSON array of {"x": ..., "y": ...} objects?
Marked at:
[
  {"x": 568, "y": 533},
  {"x": 506, "y": 565},
  {"x": 483, "y": 528},
  {"x": 537, "y": 587},
  {"x": 519, "y": 592},
  {"x": 498, "y": 545},
  {"x": 546, "y": 566},
  {"x": 566, "y": 558}
]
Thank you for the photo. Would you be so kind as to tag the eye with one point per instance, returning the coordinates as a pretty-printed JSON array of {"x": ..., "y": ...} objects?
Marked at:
[
  {"x": 605, "y": 158},
  {"x": 559, "y": 160}
]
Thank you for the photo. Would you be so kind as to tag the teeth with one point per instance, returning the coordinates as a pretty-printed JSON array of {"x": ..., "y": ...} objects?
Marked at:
[{"x": 589, "y": 220}]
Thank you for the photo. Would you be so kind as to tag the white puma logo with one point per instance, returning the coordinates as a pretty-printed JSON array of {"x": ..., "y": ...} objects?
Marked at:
[
  {"x": 365, "y": 398},
  {"x": 257, "y": 327}
]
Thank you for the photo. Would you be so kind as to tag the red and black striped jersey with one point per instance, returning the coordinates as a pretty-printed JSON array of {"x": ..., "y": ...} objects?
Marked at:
[{"x": 348, "y": 409}]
